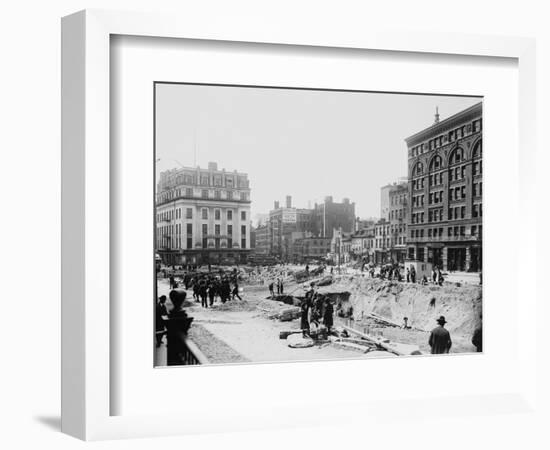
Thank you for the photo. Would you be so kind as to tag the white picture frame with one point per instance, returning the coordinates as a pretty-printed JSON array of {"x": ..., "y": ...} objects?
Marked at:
[{"x": 86, "y": 245}]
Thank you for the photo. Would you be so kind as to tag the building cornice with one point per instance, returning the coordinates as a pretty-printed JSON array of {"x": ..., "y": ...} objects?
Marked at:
[{"x": 445, "y": 125}]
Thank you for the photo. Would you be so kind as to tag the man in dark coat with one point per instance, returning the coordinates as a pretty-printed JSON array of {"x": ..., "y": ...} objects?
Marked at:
[
  {"x": 440, "y": 339},
  {"x": 304, "y": 322},
  {"x": 235, "y": 292},
  {"x": 161, "y": 314},
  {"x": 177, "y": 326},
  {"x": 477, "y": 338},
  {"x": 328, "y": 313}
]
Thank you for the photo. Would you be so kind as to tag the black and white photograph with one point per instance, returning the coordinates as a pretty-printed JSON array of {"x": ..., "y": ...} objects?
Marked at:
[{"x": 295, "y": 224}]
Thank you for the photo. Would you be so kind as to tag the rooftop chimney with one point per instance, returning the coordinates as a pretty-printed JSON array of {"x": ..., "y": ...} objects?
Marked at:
[
  {"x": 288, "y": 201},
  {"x": 436, "y": 115},
  {"x": 275, "y": 204},
  {"x": 212, "y": 166}
]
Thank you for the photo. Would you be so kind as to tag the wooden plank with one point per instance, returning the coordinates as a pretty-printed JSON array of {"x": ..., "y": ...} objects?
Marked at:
[{"x": 394, "y": 347}]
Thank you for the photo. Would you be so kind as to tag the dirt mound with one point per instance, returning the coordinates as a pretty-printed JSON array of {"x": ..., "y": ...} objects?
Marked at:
[
  {"x": 234, "y": 305},
  {"x": 461, "y": 305}
]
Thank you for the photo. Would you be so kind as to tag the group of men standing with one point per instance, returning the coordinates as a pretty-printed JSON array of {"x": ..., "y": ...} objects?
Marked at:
[
  {"x": 278, "y": 283},
  {"x": 314, "y": 308},
  {"x": 207, "y": 287}
]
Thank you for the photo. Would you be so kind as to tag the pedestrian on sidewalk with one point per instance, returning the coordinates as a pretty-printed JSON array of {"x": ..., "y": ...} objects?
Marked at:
[
  {"x": 440, "y": 338},
  {"x": 271, "y": 293}
]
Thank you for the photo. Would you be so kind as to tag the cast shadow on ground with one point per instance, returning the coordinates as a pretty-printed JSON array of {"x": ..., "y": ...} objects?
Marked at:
[{"x": 52, "y": 422}]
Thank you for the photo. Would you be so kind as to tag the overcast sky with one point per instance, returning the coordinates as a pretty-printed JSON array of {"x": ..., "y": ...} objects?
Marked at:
[{"x": 308, "y": 144}]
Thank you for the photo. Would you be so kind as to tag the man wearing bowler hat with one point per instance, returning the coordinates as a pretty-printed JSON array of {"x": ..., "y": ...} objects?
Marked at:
[{"x": 440, "y": 339}]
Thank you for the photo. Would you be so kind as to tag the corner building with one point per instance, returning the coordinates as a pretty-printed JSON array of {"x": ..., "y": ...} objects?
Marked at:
[
  {"x": 203, "y": 216},
  {"x": 445, "y": 183}
]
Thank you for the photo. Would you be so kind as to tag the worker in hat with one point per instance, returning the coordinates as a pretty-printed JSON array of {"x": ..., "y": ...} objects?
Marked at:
[{"x": 440, "y": 338}]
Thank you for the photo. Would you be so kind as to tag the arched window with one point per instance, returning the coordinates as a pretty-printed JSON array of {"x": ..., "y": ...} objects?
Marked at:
[
  {"x": 436, "y": 163},
  {"x": 418, "y": 169},
  {"x": 456, "y": 156},
  {"x": 478, "y": 150}
]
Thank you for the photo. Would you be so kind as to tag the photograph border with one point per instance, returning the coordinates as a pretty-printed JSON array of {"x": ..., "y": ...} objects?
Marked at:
[{"x": 86, "y": 192}]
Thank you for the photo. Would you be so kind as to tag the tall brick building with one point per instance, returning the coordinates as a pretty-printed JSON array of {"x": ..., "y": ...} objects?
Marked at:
[{"x": 445, "y": 183}]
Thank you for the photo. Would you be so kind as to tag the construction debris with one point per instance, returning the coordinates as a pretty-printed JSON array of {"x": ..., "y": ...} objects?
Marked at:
[
  {"x": 298, "y": 341},
  {"x": 386, "y": 344}
]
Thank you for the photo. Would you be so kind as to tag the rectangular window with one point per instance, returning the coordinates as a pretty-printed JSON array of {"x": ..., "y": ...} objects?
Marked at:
[
  {"x": 462, "y": 212},
  {"x": 204, "y": 229},
  {"x": 229, "y": 195},
  {"x": 243, "y": 215},
  {"x": 189, "y": 192},
  {"x": 229, "y": 230},
  {"x": 204, "y": 193},
  {"x": 217, "y": 229},
  {"x": 205, "y": 213},
  {"x": 189, "y": 242},
  {"x": 189, "y": 229},
  {"x": 229, "y": 214},
  {"x": 217, "y": 214},
  {"x": 217, "y": 194},
  {"x": 463, "y": 192},
  {"x": 189, "y": 213}
]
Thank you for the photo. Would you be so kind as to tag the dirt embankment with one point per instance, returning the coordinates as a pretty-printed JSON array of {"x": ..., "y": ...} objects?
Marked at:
[{"x": 460, "y": 304}]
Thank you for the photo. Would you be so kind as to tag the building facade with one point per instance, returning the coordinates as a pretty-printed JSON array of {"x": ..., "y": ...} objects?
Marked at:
[
  {"x": 382, "y": 242},
  {"x": 362, "y": 244},
  {"x": 330, "y": 216},
  {"x": 311, "y": 248},
  {"x": 340, "y": 246},
  {"x": 398, "y": 213},
  {"x": 444, "y": 224},
  {"x": 285, "y": 225},
  {"x": 203, "y": 216}
]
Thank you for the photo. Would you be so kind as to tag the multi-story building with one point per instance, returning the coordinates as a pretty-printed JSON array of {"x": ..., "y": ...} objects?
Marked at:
[
  {"x": 398, "y": 208},
  {"x": 340, "y": 246},
  {"x": 385, "y": 201},
  {"x": 445, "y": 192},
  {"x": 262, "y": 240},
  {"x": 382, "y": 242},
  {"x": 362, "y": 243},
  {"x": 330, "y": 216},
  {"x": 285, "y": 225},
  {"x": 203, "y": 216},
  {"x": 311, "y": 249}
]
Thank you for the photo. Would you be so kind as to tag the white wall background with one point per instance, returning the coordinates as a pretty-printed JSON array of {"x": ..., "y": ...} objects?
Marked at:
[{"x": 30, "y": 186}]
